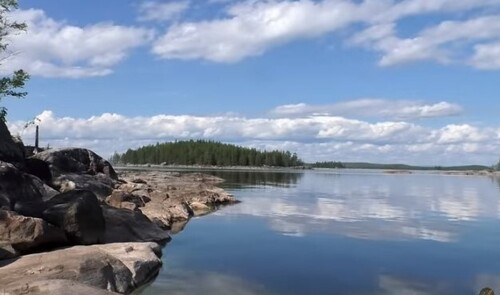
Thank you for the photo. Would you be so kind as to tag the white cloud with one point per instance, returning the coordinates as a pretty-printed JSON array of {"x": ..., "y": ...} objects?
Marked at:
[
  {"x": 461, "y": 134},
  {"x": 159, "y": 11},
  {"x": 486, "y": 56},
  {"x": 317, "y": 138},
  {"x": 401, "y": 9},
  {"x": 369, "y": 107},
  {"x": 446, "y": 42},
  {"x": 252, "y": 27},
  {"x": 53, "y": 48}
]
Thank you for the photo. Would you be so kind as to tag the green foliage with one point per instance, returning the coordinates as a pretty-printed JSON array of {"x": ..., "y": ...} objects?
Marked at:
[
  {"x": 328, "y": 165},
  {"x": 209, "y": 153},
  {"x": 10, "y": 86}
]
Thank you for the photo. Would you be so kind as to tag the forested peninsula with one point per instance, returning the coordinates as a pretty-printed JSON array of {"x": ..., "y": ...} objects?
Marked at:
[{"x": 206, "y": 153}]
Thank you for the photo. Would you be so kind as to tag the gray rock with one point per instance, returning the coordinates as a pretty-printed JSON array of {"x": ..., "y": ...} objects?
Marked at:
[
  {"x": 124, "y": 225},
  {"x": 76, "y": 160},
  {"x": 38, "y": 168},
  {"x": 119, "y": 197},
  {"x": 114, "y": 267},
  {"x": 10, "y": 151},
  {"x": 200, "y": 208},
  {"x": 46, "y": 191},
  {"x": 98, "y": 185},
  {"x": 7, "y": 252},
  {"x": 16, "y": 186},
  {"x": 20, "y": 234},
  {"x": 180, "y": 212},
  {"x": 31, "y": 208},
  {"x": 142, "y": 259},
  {"x": 79, "y": 214},
  {"x": 58, "y": 287}
]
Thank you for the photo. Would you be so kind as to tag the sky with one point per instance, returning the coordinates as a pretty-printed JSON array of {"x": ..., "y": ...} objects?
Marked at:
[{"x": 388, "y": 81}]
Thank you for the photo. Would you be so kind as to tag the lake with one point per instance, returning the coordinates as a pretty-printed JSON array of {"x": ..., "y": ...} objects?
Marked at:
[{"x": 340, "y": 232}]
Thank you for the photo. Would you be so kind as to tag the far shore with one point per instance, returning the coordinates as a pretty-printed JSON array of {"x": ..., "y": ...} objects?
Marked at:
[
  {"x": 201, "y": 167},
  {"x": 299, "y": 169}
]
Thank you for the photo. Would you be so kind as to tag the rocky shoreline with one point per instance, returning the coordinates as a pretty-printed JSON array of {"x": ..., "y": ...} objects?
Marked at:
[{"x": 69, "y": 222}]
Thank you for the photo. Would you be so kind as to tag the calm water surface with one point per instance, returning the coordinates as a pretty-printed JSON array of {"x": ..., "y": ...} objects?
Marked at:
[{"x": 349, "y": 232}]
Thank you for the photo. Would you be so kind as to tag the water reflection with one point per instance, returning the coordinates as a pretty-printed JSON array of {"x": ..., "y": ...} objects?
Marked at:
[
  {"x": 243, "y": 179},
  {"x": 208, "y": 283},
  {"x": 391, "y": 285},
  {"x": 370, "y": 205},
  {"x": 352, "y": 232}
]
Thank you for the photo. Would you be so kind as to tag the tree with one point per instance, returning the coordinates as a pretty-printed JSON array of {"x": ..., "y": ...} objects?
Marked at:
[{"x": 10, "y": 86}]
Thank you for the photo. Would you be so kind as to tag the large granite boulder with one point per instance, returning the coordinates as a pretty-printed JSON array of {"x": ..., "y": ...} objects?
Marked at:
[
  {"x": 59, "y": 287},
  {"x": 10, "y": 151},
  {"x": 123, "y": 225},
  {"x": 20, "y": 234},
  {"x": 38, "y": 168},
  {"x": 100, "y": 185},
  {"x": 79, "y": 214},
  {"x": 76, "y": 160},
  {"x": 114, "y": 267},
  {"x": 18, "y": 187}
]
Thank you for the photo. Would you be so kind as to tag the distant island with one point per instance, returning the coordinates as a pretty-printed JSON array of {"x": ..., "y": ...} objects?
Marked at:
[
  {"x": 213, "y": 153},
  {"x": 364, "y": 165},
  {"x": 206, "y": 153}
]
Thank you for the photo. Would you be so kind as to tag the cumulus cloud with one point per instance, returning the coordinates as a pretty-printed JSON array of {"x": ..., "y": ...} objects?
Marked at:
[
  {"x": 373, "y": 108},
  {"x": 52, "y": 48},
  {"x": 486, "y": 56},
  {"x": 313, "y": 138},
  {"x": 158, "y": 11},
  {"x": 250, "y": 28},
  {"x": 446, "y": 42}
]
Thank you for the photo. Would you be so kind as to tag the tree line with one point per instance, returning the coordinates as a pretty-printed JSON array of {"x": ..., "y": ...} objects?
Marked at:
[
  {"x": 328, "y": 164},
  {"x": 207, "y": 153}
]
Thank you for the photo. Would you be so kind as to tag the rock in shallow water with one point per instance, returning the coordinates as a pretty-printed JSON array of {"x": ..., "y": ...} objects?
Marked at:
[
  {"x": 123, "y": 225},
  {"x": 118, "y": 268},
  {"x": 59, "y": 287}
]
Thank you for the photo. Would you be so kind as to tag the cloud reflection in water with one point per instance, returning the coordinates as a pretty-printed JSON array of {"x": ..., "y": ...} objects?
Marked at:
[
  {"x": 207, "y": 283},
  {"x": 372, "y": 205}
]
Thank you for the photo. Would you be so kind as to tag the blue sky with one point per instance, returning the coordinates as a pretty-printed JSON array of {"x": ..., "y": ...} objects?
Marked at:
[{"x": 412, "y": 81}]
